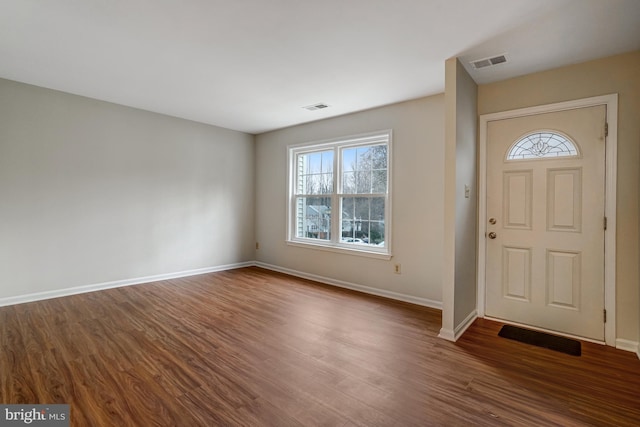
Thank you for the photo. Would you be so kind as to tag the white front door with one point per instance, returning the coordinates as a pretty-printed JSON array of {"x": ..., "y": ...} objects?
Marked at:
[{"x": 545, "y": 214}]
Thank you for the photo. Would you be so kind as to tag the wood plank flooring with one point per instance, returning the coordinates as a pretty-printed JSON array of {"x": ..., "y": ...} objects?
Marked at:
[{"x": 250, "y": 347}]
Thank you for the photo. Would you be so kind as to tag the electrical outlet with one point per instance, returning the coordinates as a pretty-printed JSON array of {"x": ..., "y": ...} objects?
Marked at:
[{"x": 397, "y": 269}]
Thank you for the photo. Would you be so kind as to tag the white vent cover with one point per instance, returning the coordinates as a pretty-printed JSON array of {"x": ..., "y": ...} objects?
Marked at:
[
  {"x": 314, "y": 107},
  {"x": 488, "y": 62}
]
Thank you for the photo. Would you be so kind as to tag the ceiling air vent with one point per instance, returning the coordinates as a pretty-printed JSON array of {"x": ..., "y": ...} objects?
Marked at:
[
  {"x": 314, "y": 107},
  {"x": 488, "y": 62}
]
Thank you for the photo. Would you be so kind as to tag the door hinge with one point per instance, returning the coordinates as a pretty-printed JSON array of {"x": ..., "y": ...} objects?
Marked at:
[
  {"x": 606, "y": 129},
  {"x": 604, "y": 312},
  {"x": 605, "y": 222}
]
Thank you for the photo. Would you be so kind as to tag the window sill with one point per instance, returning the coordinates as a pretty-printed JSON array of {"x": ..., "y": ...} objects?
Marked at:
[{"x": 357, "y": 251}]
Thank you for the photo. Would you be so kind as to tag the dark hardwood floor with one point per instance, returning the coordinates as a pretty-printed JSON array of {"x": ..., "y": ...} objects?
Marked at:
[{"x": 250, "y": 347}]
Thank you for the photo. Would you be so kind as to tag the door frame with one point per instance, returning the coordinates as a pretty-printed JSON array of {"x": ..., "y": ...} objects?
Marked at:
[{"x": 611, "y": 162}]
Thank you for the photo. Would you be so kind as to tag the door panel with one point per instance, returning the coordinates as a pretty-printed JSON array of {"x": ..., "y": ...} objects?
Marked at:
[
  {"x": 564, "y": 205},
  {"x": 516, "y": 273},
  {"x": 563, "y": 279},
  {"x": 517, "y": 199},
  {"x": 545, "y": 262}
]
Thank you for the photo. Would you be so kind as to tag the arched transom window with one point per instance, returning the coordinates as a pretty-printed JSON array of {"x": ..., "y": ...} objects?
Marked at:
[{"x": 542, "y": 144}]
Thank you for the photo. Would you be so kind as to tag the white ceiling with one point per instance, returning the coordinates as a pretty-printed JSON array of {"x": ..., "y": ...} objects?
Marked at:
[{"x": 251, "y": 65}]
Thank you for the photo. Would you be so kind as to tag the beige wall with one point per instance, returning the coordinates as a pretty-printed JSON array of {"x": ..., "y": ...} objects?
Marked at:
[
  {"x": 460, "y": 213},
  {"x": 93, "y": 192},
  {"x": 466, "y": 208},
  {"x": 619, "y": 74},
  {"x": 417, "y": 193}
]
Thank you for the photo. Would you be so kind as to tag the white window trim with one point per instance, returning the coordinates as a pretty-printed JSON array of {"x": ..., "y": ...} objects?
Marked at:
[{"x": 335, "y": 245}]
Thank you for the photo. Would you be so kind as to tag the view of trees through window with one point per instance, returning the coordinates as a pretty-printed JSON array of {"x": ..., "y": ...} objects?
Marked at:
[
  {"x": 359, "y": 192},
  {"x": 364, "y": 173}
]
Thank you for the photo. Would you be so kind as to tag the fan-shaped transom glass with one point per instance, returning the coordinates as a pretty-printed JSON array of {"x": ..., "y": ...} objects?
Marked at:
[{"x": 539, "y": 145}]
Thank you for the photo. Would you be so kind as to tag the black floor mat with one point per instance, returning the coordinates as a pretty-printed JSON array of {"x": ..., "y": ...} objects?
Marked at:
[{"x": 552, "y": 342}]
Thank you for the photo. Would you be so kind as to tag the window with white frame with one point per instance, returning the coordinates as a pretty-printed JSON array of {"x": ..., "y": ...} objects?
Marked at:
[{"x": 339, "y": 193}]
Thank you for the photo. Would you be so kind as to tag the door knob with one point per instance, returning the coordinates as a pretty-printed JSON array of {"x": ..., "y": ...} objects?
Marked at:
[{"x": 492, "y": 235}]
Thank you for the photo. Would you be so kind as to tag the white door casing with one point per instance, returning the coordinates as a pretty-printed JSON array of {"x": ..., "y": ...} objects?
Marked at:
[{"x": 546, "y": 266}]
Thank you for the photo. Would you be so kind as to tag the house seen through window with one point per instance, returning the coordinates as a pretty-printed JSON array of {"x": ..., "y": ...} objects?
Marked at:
[{"x": 339, "y": 193}]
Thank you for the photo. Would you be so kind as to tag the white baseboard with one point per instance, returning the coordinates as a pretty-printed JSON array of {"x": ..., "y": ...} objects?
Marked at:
[
  {"x": 447, "y": 334},
  {"x": 468, "y": 321},
  {"x": 628, "y": 345},
  {"x": 20, "y": 299},
  {"x": 453, "y": 335},
  {"x": 353, "y": 286}
]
